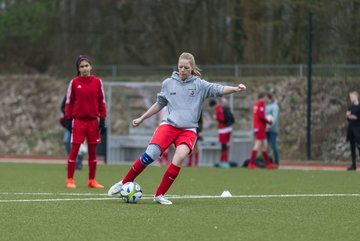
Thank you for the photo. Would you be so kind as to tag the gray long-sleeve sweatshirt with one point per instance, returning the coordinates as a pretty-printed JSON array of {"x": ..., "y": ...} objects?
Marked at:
[{"x": 184, "y": 99}]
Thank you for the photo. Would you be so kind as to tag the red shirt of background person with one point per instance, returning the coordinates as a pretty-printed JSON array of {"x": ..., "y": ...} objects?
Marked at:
[
  {"x": 219, "y": 116},
  {"x": 85, "y": 103},
  {"x": 260, "y": 121},
  {"x": 85, "y": 99}
]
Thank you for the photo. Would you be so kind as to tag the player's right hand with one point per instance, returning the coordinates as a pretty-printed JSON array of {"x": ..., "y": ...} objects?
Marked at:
[{"x": 137, "y": 122}]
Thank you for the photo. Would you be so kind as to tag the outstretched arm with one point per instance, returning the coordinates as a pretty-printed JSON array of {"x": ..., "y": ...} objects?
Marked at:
[
  {"x": 155, "y": 108},
  {"x": 233, "y": 89}
]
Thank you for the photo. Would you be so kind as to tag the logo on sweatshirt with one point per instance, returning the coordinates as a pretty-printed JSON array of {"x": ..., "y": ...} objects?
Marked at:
[
  {"x": 172, "y": 93},
  {"x": 192, "y": 92},
  {"x": 79, "y": 87}
]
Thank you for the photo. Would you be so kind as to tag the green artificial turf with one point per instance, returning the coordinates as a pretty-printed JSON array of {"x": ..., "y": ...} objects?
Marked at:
[{"x": 241, "y": 218}]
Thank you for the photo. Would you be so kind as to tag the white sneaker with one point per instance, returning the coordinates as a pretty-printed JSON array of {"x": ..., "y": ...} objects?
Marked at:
[
  {"x": 115, "y": 189},
  {"x": 162, "y": 200}
]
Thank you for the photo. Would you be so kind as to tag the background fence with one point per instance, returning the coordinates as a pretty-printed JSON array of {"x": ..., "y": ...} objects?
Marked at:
[{"x": 119, "y": 72}]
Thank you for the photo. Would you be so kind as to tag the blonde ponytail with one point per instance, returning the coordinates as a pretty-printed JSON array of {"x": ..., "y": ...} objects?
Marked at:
[{"x": 196, "y": 70}]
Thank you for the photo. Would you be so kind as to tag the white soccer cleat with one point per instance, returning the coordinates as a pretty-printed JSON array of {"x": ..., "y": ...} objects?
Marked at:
[
  {"x": 162, "y": 200},
  {"x": 115, "y": 189}
]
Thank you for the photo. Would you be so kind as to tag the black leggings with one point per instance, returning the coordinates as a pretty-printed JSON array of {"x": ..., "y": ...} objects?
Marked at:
[{"x": 353, "y": 152}]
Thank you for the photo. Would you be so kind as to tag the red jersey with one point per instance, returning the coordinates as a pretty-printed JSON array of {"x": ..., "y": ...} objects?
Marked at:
[
  {"x": 85, "y": 99},
  {"x": 259, "y": 118}
]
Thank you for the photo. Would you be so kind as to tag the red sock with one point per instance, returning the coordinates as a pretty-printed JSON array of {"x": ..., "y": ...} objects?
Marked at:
[
  {"x": 253, "y": 157},
  {"x": 222, "y": 156},
  {"x": 266, "y": 158},
  {"x": 225, "y": 155},
  {"x": 92, "y": 161},
  {"x": 134, "y": 171},
  {"x": 71, "y": 163},
  {"x": 196, "y": 159},
  {"x": 169, "y": 177}
]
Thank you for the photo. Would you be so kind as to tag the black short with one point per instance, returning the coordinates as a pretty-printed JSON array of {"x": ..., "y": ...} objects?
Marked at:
[{"x": 353, "y": 134}]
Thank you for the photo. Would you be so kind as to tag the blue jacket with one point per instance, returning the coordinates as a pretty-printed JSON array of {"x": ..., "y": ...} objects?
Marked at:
[{"x": 273, "y": 109}]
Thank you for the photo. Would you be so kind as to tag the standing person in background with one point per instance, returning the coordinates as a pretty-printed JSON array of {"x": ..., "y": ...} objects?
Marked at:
[
  {"x": 224, "y": 130},
  {"x": 85, "y": 104},
  {"x": 353, "y": 131},
  {"x": 260, "y": 122},
  {"x": 272, "y": 130},
  {"x": 183, "y": 93},
  {"x": 67, "y": 137}
]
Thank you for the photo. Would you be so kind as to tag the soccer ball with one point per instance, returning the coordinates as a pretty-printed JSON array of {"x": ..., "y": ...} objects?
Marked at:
[{"x": 131, "y": 192}]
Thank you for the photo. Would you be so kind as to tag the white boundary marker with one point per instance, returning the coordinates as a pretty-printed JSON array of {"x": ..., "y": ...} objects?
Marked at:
[{"x": 147, "y": 196}]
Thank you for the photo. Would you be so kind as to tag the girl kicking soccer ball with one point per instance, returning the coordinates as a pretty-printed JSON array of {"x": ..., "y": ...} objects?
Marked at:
[{"x": 183, "y": 94}]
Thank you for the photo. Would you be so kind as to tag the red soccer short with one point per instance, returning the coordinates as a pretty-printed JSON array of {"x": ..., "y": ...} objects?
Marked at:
[
  {"x": 88, "y": 129},
  {"x": 165, "y": 135},
  {"x": 224, "y": 134},
  {"x": 260, "y": 134},
  {"x": 224, "y": 138}
]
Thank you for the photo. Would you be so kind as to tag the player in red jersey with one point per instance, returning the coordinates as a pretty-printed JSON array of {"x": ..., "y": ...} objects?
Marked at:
[
  {"x": 260, "y": 121},
  {"x": 85, "y": 104},
  {"x": 224, "y": 132}
]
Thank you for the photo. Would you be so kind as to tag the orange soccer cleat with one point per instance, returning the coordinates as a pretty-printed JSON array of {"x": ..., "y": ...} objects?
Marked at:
[
  {"x": 94, "y": 184},
  {"x": 70, "y": 183}
]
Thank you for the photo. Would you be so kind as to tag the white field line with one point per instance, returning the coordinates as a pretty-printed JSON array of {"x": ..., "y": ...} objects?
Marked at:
[
  {"x": 169, "y": 196},
  {"x": 52, "y": 194}
]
